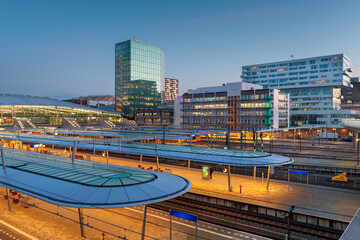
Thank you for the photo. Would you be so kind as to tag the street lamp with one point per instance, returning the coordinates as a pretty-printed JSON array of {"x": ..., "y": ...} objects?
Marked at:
[{"x": 288, "y": 216}]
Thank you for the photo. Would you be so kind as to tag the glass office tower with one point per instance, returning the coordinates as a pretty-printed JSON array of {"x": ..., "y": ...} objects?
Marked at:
[{"x": 139, "y": 72}]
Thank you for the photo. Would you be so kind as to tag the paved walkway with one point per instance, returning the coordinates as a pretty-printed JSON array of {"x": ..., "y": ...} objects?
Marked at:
[{"x": 316, "y": 200}]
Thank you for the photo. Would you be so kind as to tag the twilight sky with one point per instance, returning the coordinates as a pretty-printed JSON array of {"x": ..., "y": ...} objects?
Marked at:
[{"x": 65, "y": 48}]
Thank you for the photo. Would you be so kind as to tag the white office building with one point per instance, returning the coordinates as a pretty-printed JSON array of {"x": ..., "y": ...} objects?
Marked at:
[{"x": 314, "y": 85}]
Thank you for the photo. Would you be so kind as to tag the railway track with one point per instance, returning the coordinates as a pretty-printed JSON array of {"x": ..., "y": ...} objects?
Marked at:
[{"x": 262, "y": 225}]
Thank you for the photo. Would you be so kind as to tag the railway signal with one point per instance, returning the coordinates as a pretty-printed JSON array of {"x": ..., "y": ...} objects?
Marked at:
[{"x": 288, "y": 216}]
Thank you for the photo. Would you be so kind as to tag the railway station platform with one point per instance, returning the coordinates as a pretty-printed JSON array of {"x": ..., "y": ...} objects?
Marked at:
[{"x": 334, "y": 203}]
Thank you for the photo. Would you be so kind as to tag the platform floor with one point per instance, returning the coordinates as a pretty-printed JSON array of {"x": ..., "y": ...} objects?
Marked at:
[{"x": 316, "y": 200}]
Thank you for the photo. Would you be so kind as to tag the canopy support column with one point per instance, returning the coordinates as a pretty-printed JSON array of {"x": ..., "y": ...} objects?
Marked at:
[
  {"x": 140, "y": 158},
  {"x": 229, "y": 179},
  {"x": 119, "y": 145},
  {"x": 81, "y": 223},
  {"x": 241, "y": 139},
  {"x": 163, "y": 134},
  {"x": 144, "y": 223},
  {"x": 4, "y": 167},
  {"x": 157, "y": 157},
  {"x": 357, "y": 147},
  {"x": 268, "y": 178},
  {"x": 254, "y": 173},
  {"x": 73, "y": 152},
  {"x": 188, "y": 165},
  {"x": 94, "y": 148},
  {"x": 3, "y": 158},
  {"x": 8, "y": 199},
  {"x": 294, "y": 139}
]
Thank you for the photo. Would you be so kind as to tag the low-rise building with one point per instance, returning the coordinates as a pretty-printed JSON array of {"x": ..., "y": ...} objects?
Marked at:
[
  {"x": 161, "y": 116},
  {"x": 238, "y": 106}
]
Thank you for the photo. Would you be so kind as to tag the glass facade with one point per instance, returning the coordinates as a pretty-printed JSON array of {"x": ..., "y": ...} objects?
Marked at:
[{"x": 139, "y": 72}]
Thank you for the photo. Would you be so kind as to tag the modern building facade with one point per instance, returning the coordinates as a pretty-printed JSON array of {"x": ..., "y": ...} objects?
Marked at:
[
  {"x": 314, "y": 85},
  {"x": 171, "y": 90},
  {"x": 139, "y": 73},
  {"x": 161, "y": 116},
  {"x": 238, "y": 106},
  {"x": 351, "y": 95}
]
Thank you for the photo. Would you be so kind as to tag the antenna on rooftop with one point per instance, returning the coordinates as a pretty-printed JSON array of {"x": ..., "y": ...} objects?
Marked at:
[
  {"x": 292, "y": 57},
  {"x": 136, "y": 39}
]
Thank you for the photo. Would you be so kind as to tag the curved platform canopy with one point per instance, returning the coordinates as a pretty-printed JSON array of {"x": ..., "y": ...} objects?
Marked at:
[
  {"x": 84, "y": 184},
  {"x": 198, "y": 154},
  {"x": 114, "y": 134}
]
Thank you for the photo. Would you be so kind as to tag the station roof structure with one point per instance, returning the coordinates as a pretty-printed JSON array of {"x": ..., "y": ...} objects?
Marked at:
[
  {"x": 352, "y": 231},
  {"x": 30, "y": 101},
  {"x": 198, "y": 154},
  {"x": 85, "y": 184},
  {"x": 110, "y": 133}
]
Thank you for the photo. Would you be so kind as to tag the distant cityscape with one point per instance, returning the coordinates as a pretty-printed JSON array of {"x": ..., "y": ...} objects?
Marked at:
[{"x": 319, "y": 90}]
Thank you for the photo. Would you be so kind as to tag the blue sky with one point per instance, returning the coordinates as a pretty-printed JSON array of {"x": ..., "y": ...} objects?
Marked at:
[{"x": 66, "y": 48}]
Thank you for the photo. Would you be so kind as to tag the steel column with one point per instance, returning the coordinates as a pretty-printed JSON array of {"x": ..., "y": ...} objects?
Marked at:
[
  {"x": 241, "y": 141},
  {"x": 73, "y": 152},
  {"x": 294, "y": 139},
  {"x": 81, "y": 223},
  {"x": 288, "y": 181},
  {"x": 229, "y": 179},
  {"x": 144, "y": 223},
  {"x": 358, "y": 146},
  {"x": 163, "y": 134},
  {"x": 157, "y": 158},
  {"x": 8, "y": 199},
  {"x": 94, "y": 148},
  {"x": 268, "y": 178},
  {"x": 3, "y": 158}
]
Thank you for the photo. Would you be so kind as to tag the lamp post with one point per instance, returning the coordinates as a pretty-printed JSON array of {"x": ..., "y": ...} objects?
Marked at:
[{"x": 288, "y": 216}]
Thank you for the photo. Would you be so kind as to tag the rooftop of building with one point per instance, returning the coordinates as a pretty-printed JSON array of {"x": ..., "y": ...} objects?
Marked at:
[
  {"x": 226, "y": 87},
  {"x": 138, "y": 41},
  {"x": 300, "y": 59}
]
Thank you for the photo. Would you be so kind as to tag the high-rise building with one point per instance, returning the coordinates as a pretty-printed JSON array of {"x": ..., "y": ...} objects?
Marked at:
[
  {"x": 237, "y": 106},
  {"x": 314, "y": 85},
  {"x": 139, "y": 73},
  {"x": 171, "y": 90}
]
